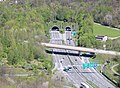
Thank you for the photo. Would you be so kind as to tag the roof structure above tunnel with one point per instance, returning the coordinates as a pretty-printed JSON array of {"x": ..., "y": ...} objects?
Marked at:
[{"x": 54, "y": 28}]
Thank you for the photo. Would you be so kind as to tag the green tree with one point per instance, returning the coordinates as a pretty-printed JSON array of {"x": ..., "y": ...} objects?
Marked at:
[
  {"x": 88, "y": 40},
  {"x": 48, "y": 64},
  {"x": 64, "y": 14},
  {"x": 85, "y": 23},
  {"x": 22, "y": 28}
]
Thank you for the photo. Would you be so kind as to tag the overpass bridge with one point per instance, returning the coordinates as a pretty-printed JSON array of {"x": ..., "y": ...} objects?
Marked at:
[{"x": 80, "y": 49}]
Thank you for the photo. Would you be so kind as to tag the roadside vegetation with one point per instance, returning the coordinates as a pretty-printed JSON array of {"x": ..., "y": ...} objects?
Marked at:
[
  {"x": 110, "y": 61},
  {"x": 25, "y": 24}
]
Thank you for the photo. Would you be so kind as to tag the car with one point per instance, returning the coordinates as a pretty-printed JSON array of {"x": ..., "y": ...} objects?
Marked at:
[
  {"x": 69, "y": 67},
  {"x": 74, "y": 67},
  {"x": 69, "y": 39},
  {"x": 65, "y": 69},
  {"x": 60, "y": 61},
  {"x": 84, "y": 85}
]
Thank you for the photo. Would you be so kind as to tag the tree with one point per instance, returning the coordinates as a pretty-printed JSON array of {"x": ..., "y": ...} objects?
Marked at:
[
  {"x": 20, "y": 24},
  {"x": 48, "y": 64},
  {"x": 88, "y": 40},
  {"x": 64, "y": 14},
  {"x": 85, "y": 23}
]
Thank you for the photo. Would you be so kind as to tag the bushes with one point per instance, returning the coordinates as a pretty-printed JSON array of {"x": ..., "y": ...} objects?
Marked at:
[{"x": 20, "y": 24}]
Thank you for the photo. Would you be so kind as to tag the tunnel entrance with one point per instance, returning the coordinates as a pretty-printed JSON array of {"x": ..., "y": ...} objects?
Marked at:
[
  {"x": 54, "y": 28},
  {"x": 68, "y": 29}
]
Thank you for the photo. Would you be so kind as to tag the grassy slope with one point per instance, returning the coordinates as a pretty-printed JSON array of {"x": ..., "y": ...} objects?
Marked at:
[{"x": 104, "y": 30}]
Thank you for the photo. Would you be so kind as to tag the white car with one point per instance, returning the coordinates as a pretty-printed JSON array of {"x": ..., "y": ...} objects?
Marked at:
[{"x": 69, "y": 66}]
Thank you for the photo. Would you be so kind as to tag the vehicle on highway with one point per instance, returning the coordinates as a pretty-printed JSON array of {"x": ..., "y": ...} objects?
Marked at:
[
  {"x": 84, "y": 85},
  {"x": 60, "y": 61},
  {"x": 69, "y": 39},
  {"x": 74, "y": 67},
  {"x": 70, "y": 67},
  {"x": 75, "y": 59},
  {"x": 67, "y": 68}
]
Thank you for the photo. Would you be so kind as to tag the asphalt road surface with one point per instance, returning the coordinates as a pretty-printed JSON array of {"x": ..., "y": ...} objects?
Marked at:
[
  {"x": 77, "y": 74},
  {"x": 72, "y": 74}
]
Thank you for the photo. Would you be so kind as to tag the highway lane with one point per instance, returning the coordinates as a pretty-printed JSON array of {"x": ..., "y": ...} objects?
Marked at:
[
  {"x": 68, "y": 42},
  {"x": 98, "y": 78},
  {"x": 86, "y": 72},
  {"x": 72, "y": 75},
  {"x": 55, "y": 35},
  {"x": 95, "y": 77},
  {"x": 55, "y": 56},
  {"x": 77, "y": 62},
  {"x": 65, "y": 62},
  {"x": 90, "y": 73}
]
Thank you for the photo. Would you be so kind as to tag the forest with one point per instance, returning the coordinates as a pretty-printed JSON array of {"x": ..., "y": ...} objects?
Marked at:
[{"x": 25, "y": 24}]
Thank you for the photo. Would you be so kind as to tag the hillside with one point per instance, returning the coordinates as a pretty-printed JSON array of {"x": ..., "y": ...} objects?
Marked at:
[{"x": 25, "y": 24}]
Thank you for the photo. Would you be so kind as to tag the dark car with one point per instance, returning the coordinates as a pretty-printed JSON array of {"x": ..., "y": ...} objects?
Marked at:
[{"x": 74, "y": 67}]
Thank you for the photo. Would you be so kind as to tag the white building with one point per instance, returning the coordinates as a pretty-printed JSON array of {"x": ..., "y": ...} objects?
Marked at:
[{"x": 102, "y": 38}]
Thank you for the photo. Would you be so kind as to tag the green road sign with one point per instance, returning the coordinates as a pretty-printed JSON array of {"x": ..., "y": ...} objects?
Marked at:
[
  {"x": 85, "y": 65},
  {"x": 89, "y": 65},
  {"x": 74, "y": 32}
]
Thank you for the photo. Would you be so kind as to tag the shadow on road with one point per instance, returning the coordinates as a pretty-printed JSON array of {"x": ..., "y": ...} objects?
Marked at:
[
  {"x": 66, "y": 53},
  {"x": 80, "y": 72},
  {"x": 62, "y": 53}
]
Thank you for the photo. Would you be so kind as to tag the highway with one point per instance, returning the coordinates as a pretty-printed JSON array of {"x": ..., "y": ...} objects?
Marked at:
[
  {"x": 90, "y": 73},
  {"x": 77, "y": 74},
  {"x": 72, "y": 75}
]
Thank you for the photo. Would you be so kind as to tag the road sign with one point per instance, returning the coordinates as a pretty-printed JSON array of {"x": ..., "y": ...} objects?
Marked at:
[
  {"x": 89, "y": 65},
  {"x": 95, "y": 65},
  {"x": 85, "y": 65},
  {"x": 74, "y": 32}
]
